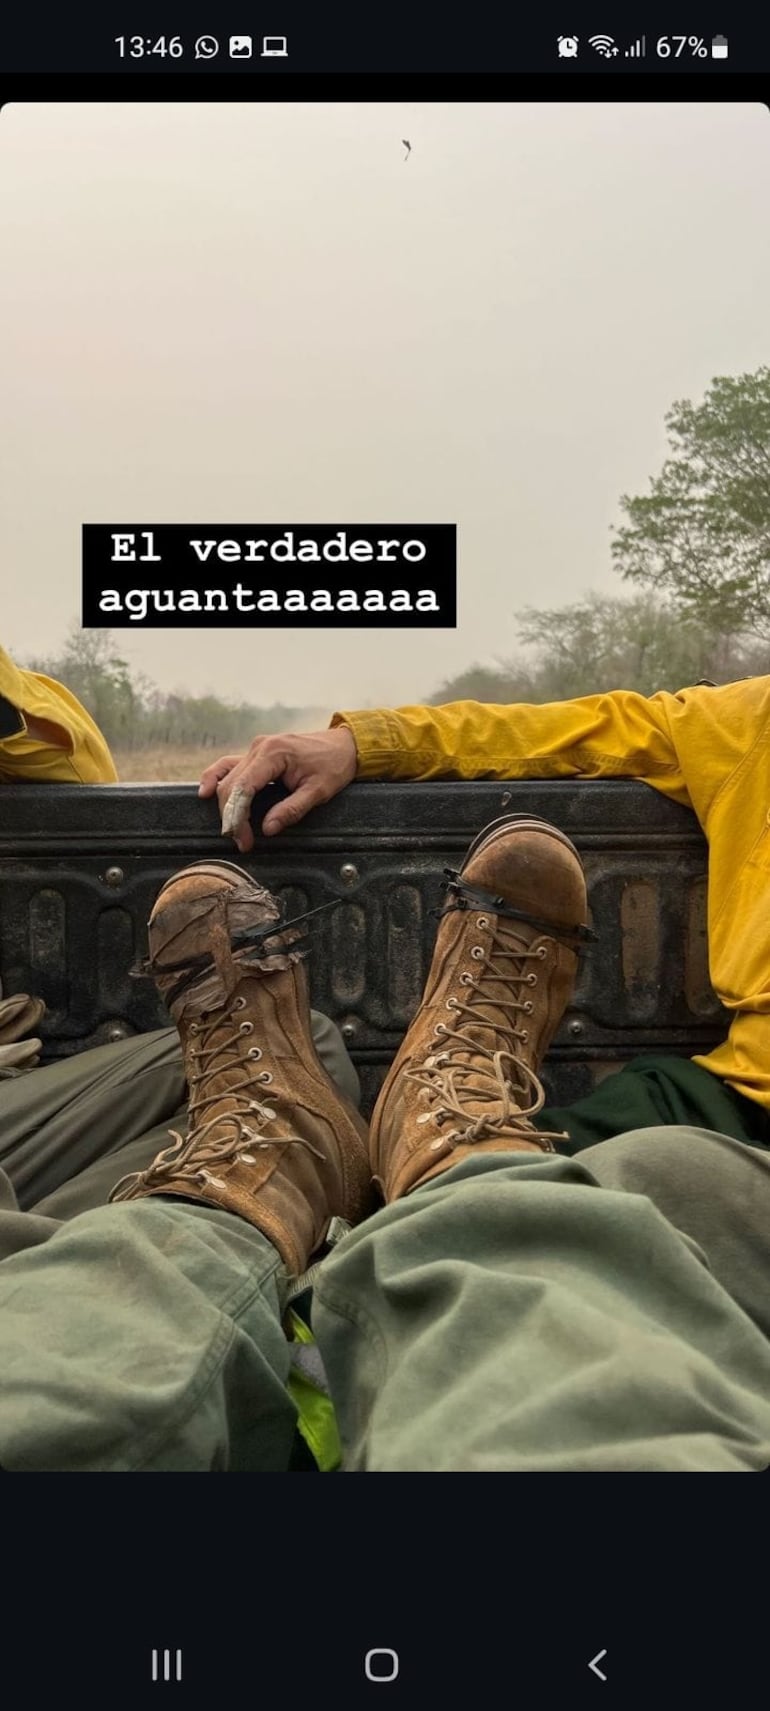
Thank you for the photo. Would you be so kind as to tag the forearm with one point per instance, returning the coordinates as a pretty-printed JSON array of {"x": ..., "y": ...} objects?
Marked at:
[{"x": 619, "y": 734}]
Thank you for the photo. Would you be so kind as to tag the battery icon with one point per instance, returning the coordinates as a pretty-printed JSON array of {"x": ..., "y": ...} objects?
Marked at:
[{"x": 719, "y": 47}]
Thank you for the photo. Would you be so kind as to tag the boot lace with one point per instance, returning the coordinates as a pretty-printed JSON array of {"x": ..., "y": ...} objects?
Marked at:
[
  {"x": 228, "y": 1137},
  {"x": 493, "y": 1076}
]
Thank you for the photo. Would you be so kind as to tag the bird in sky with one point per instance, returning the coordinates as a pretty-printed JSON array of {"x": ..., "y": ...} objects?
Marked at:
[{"x": 407, "y": 146}]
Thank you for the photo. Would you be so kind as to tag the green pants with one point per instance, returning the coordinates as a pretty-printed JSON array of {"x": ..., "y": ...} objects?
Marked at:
[
  {"x": 602, "y": 1312},
  {"x": 70, "y": 1130}
]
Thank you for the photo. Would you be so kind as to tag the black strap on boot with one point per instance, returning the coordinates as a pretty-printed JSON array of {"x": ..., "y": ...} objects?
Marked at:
[
  {"x": 247, "y": 936},
  {"x": 468, "y": 897}
]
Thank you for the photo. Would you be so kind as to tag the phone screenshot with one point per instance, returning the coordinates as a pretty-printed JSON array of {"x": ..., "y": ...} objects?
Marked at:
[{"x": 384, "y": 853}]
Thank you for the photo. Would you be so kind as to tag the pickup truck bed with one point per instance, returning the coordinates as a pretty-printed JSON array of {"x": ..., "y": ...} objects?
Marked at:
[{"x": 80, "y": 867}]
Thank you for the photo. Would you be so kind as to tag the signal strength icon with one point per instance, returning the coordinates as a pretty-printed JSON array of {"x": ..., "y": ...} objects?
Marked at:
[
  {"x": 637, "y": 50},
  {"x": 604, "y": 45}
]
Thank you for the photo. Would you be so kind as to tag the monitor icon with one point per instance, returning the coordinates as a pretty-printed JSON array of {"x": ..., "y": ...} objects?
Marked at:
[{"x": 274, "y": 47}]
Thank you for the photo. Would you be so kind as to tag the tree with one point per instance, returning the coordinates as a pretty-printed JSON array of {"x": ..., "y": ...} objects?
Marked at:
[
  {"x": 509, "y": 682},
  {"x": 611, "y": 642},
  {"x": 701, "y": 537}
]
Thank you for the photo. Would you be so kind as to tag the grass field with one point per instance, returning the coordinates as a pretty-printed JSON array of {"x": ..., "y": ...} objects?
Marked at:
[{"x": 163, "y": 764}]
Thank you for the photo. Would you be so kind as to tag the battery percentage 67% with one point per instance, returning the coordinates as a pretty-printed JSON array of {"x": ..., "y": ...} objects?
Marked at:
[{"x": 670, "y": 47}]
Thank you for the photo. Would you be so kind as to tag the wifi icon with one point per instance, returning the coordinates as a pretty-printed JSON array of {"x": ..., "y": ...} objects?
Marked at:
[{"x": 604, "y": 45}]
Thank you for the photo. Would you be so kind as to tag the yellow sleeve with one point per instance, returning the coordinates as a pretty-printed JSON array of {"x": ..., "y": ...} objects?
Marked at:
[
  {"x": 685, "y": 745},
  {"x": 73, "y": 751}
]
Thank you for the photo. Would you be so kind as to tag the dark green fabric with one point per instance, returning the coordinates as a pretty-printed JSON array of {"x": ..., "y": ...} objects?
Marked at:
[
  {"x": 654, "y": 1090},
  {"x": 11, "y": 722}
]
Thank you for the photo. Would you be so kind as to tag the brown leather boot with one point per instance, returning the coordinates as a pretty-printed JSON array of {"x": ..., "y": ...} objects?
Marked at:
[
  {"x": 503, "y": 970},
  {"x": 270, "y": 1137}
]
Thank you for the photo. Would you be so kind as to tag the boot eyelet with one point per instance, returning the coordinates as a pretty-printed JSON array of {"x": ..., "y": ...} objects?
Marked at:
[
  {"x": 540, "y": 952},
  {"x": 194, "y": 1029},
  {"x": 532, "y": 980},
  {"x": 265, "y": 1077},
  {"x": 477, "y": 952},
  {"x": 467, "y": 980},
  {"x": 440, "y": 1028},
  {"x": 451, "y": 1004},
  {"x": 481, "y": 921},
  {"x": 246, "y": 1028},
  {"x": 523, "y": 1035},
  {"x": 255, "y": 1053},
  {"x": 240, "y": 1004},
  {"x": 529, "y": 1007}
]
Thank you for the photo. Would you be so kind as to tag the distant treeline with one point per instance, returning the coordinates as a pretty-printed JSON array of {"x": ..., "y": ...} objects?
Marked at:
[
  {"x": 599, "y": 643},
  {"x": 133, "y": 713},
  {"x": 696, "y": 546},
  {"x": 610, "y": 642}
]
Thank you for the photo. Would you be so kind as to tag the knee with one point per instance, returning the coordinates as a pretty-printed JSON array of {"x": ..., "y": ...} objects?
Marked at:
[{"x": 640, "y": 1159}]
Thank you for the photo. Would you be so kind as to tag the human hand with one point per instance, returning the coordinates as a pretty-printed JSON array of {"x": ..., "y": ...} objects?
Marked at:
[
  {"x": 313, "y": 766},
  {"x": 18, "y": 1017}
]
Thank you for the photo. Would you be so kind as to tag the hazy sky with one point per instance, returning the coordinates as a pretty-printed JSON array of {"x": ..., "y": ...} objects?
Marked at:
[{"x": 264, "y": 313}]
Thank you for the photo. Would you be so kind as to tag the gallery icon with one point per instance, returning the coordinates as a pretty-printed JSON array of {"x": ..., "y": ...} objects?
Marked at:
[
  {"x": 274, "y": 47},
  {"x": 241, "y": 47},
  {"x": 568, "y": 46}
]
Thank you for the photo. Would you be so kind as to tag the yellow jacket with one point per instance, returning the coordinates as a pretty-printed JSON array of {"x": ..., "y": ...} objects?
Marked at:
[
  {"x": 708, "y": 748},
  {"x": 83, "y": 758}
]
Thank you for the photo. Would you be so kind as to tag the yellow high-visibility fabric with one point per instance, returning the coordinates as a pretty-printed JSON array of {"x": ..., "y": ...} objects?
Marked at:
[
  {"x": 84, "y": 757},
  {"x": 708, "y": 748},
  {"x": 316, "y": 1419}
]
